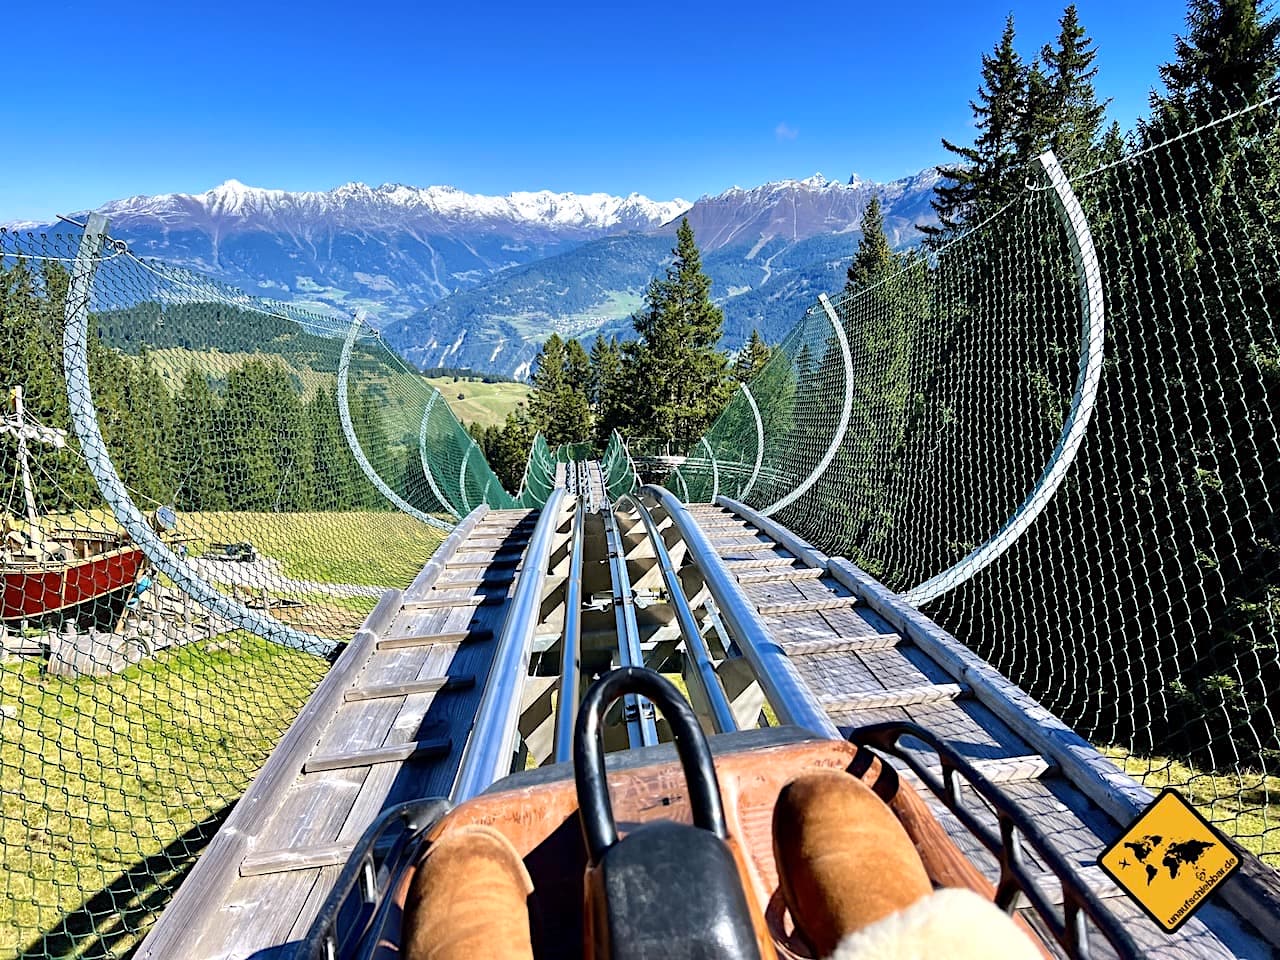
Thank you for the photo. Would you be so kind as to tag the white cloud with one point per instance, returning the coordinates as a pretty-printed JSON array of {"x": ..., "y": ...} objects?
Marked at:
[{"x": 785, "y": 132}]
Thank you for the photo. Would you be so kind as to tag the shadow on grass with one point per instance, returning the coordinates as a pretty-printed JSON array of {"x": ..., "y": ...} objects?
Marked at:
[{"x": 112, "y": 922}]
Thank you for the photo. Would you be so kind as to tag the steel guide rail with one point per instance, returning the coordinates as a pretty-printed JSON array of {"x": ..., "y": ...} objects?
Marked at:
[
  {"x": 695, "y": 644},
  {"x": 571, "y": 644},
  {"x": 492, "y": 743},
  {"x": 642, "y": 730},
  {"x": 777, "y": 675}
]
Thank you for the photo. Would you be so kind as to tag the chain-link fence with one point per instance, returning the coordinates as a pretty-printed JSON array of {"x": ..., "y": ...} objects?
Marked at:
[
  {"x": 204, "y": 493},
  {"x": 1059, "y": 434}
]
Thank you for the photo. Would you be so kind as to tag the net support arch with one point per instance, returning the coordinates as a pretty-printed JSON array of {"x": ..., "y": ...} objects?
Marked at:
[
  {"x": 846, "y": 412},
  {"x": 462, "y": 480},
  {"x": 348, "y": 431},
  {"x": 715, "y": 470},
  {"x": 755, "y": 470},
  {"x": 422, "y": 455},
  {"x": 84, "y": 418},
  {"x": 1092, "y": 342}
]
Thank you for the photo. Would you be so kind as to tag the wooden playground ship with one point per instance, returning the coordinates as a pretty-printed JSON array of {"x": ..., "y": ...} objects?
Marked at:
[
  {"x": 50, "y": 575},
  {"x": 445, "y": 710}
]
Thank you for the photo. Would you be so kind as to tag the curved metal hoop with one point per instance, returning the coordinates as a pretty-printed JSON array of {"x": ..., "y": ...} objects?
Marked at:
[
  {"x": 715, "y": 470},
  {"x": 838, "y": 437},
  {"x": 422, "y": 455},
  {"x": 348, "y": 431},
  {"x": 84, "y": 418},
  {"x": 1092, "y": 342},
  {"x": 755, "y": 471}
]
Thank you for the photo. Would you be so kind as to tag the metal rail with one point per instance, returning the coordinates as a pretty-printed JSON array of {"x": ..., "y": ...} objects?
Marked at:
[
  {"x": 773, "y": 669},
  {"x": 492, "y": 743},
  {"x": 571, "y": 643},
  {"x": 695, "y": 644},
  {"x": 642, "y": 731}
]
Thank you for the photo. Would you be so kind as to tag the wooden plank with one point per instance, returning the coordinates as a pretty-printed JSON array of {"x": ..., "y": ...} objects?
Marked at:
[
  {"x": 753, "y": 546},
  {"x": 264, "y": 862},
  {"x": 807, "y": 553},
  {"x": 492, "y": 564},
  {"x": 804, "y": 606},
  {"x": 429, "y": 639},
  {"x": 430, "y": 573},
  {"x": 1011, "y": 769},
  {"x": 902, "y": 697},
  {"x": 438, "y": 603},
  {"x": 796, "y": 573},
  {"x": 389, "y": 754},
  {"x": 427, "y": 685},
  {"x": 1089, "y": 876},
  {"x": 759, "y": 564},
  {"x": 879, "y": 641},
  {"x": 472, "y": 582},
  {"x": 183, "y": 921}
]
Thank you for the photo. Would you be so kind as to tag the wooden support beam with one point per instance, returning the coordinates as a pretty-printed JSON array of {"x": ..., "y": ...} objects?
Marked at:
[
  {"x": 877, "y": 641},
  {"x": 262, "y": 863},
  {"x": 413, "y": 750},
  {"x": 411, "y": 687},
  {"x": 428, "y": 639},
  {"x": 806, "y": 606},
  {"x": 901, "y": 697}
]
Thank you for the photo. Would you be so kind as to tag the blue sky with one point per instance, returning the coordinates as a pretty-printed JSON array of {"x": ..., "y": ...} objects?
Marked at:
[{"x": 104, "y": 100}]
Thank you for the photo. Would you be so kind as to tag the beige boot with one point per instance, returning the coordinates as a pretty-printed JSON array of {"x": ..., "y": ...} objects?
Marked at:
[
  {"x": 844, "y": 861},
  {"x": 468, "y": 899}
]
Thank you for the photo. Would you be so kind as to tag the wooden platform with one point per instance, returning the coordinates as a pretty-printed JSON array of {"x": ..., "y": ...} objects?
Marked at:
[
  {"x": 387, "y": 724},
  {"x": 866, "y": 669}
]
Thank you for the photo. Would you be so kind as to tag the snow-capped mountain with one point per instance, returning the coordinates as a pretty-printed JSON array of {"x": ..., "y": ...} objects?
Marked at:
[
  {"x": 392, "y": 205},
  {"x": 390, "y": 249},
  {"x": 770, "y": 250},
  {"x": 459, "y": 279},
  {"x": 797, "y": 209}
]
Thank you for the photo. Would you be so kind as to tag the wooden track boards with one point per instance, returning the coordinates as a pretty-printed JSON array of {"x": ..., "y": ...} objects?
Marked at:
[
  {"x": 864, "y": 671},
  {"x": 397, "y": 733}
]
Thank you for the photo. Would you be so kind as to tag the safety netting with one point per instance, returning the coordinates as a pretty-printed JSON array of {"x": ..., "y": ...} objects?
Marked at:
[
  {"x": 1058, "y": 435},
  {"x": 617, "y": 469},
  {"x": 205, "y": 493}
]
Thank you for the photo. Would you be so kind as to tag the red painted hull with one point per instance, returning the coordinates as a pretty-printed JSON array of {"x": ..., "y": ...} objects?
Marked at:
[{"x": 36, "y": 591}]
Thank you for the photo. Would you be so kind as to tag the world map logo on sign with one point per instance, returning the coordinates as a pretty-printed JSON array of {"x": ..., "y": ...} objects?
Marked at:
[{"x": 1170, "y": 860}]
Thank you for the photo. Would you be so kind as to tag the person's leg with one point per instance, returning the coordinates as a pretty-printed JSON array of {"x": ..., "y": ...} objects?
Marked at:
[
  {"x": 844, "y": 861},
  {"x": 468, "y": 899}
]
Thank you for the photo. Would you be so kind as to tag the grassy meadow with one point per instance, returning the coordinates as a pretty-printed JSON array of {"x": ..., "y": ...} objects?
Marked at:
[
  {"x": 484, "y": 403},
  {"x": 1245, "y": 806},
  {"x": 380, "y": 548},
  {"x": 112, "y": 784}
]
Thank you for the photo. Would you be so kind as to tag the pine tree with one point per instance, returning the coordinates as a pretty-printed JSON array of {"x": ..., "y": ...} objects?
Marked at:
[
  {"x": 1227, "y": 60},
  {"x": 985, "y": 177},
  {"x": 558, "y": 404},
  {"x": 677, "y": 376},
  {"x": 751, "y": 358},
  {"x": 874, "y": 258},
  {"x": 548, "y": 381},
  {"x": 577, "y": 366},
  {"x": 1075, "y": 115}
]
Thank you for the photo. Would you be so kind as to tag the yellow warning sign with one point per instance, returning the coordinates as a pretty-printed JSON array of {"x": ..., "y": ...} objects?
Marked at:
[{"x": 1169, "y": 860}]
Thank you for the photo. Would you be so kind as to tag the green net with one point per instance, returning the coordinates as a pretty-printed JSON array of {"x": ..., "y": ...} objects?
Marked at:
[
  {"x": 574, "y": 452},
  {"x": 204, "y": 493},
  {"x": 617, "y": 469},
  {"x": 1059, "y": 435}
]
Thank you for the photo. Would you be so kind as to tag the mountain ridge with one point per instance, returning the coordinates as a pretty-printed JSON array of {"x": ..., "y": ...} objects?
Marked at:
[{"x": 460, "y": 279}]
